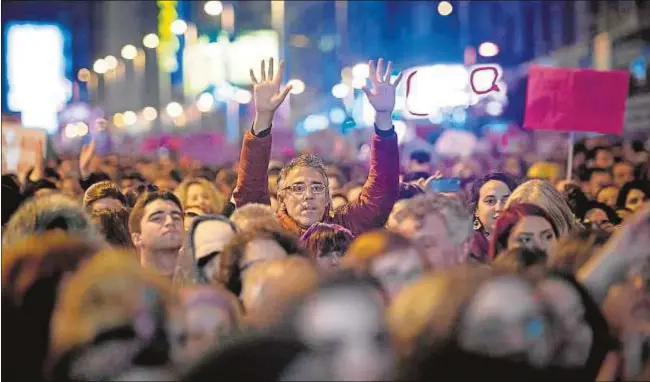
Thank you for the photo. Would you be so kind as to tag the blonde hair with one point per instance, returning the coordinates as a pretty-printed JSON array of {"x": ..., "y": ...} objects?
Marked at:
[
  {"x": 545, "y": 196},
  {"x": 255, "y": 217},
  {"x": 217, "y": 201}
]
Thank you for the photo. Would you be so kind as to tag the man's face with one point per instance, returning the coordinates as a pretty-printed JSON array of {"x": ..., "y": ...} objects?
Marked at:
[
  {"x": 599, "y": 180},
  {"x": 431, "y": 233},
  {"x": 106, "y": 203},
  {"x": 623, "y": 173},
  {"x": 305, "y": 196},
  {"x": 161, "y": 227},
  {"x": 604, "y": 159}
]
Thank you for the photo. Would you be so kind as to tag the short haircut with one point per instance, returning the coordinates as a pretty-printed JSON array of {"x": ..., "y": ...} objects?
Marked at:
[
  {"x": 592, "y": 154},
  {"x": 137, "y": 213},
  {"x": 114, "y": 225},
  {"x": 133, "y": 175},
  {"x": 598, "y": 170},
  {"x": 323, "y": 238},
  {"x": 457, "y": 219},
  {"x": 305, "y": 160},
  {"x": 420, "y": 156},
  {"x": 102, "y": 190}
]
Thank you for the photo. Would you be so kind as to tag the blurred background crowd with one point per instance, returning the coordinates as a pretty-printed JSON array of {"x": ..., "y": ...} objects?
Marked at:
[{"x": 239, "y": 190}]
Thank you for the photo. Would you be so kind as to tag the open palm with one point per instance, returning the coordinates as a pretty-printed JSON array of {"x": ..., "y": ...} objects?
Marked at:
[
  {"x": 382, "y": 94},
  {"x": 266, "y": 91}
]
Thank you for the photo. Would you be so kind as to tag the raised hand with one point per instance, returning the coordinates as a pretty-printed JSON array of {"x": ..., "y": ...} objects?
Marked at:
[
  {"x": 88, "y": 152},
  {"x": 382, "y": 94},
  {"x": 266, "y": 91}
]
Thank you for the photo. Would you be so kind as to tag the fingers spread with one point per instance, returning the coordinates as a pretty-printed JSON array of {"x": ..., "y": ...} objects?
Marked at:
[
  {"x": 398, "y": 79},
  {"x": 263, "y": 70},
  {"x": 283, "y": 94},
  {"x": 371, "y": 66},
  {"x": 367, "y": 91},
  {"x": 380, "y": 67},
  {"x": 271, "y": 68},
  {"x": 253, "y": 77},
  {"x": 389, "y": 68},
  {"x": 279, "y": 74}
]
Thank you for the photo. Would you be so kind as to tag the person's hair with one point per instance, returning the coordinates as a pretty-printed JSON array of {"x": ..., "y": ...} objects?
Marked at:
[
  {"x": 32, "y": 270},
  {"x": 227, "y": 177},
  {"x": 50, "y": 212},
  {"x": 475, "y": 192},
  {"x": 619, "y": 162},
  {"x": 575, "y": 198},
  {"x": 133, "y": 175},
  {"x": 305, "y": 160},
  {"x": 176, "y": 175},
  {"x": 414, "y": 176},
  {"x": 33, "y": 187},
  {"x": 253, "y": 216},
  {"x": 229, "y": 274},
  {"x": 95, "y": 177},
  {"x": 420, "y": 156},
  {"x": 215, "y": 296},
  {"x": 545, "y": 196},
  {"x": 217, "y": 201},
  {"x": 12, "y": 198},
  {"x": 374, "y": 244},
  {"x": 102, "y": 190},
  {"x": 604, "y": 188},
  {"x": 137, "y": 213},
  {"x": 643, "y": 186},
  {"x": 508, "y": 220},
  {"x": 574, "y": 250},
  {"x": 133, "y": 195},
  {"x": 114, "y": 225},
  {"x": 205, "y": 173},
  {"x": 520, "y": 259},
  {"x": 340, "y": 194},
  {"x": 598, "y": 170},
  {"x": 594, "y": 152},
  {"x": 336, "y": 173},
  {"x": 611, "y": 213},
  {"x": 457, "y": 219},
  {"x": 323, "y": 238}
]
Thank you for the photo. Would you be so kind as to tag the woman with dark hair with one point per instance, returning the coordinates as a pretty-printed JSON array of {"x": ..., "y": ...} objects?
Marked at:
[
  {"x": 327, "y": 243},
  {"x": 600, "y": 216},
  {"x": 489, "y": 195},
  {"x": 633, "y": 194},
  {"x": 523, "y": 225}
]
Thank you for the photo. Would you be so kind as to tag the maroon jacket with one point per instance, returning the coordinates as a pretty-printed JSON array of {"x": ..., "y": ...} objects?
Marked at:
[{"x": 370, "y": 211}]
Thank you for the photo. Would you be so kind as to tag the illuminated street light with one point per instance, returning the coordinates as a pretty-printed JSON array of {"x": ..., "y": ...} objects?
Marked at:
[
  {"x": 361, "y": 70},
  {"x": 70, "y": 130},
  {"x": 213, "y": 8},
  {"x": 100, "y": 66},
  {"x": 82, "y": 129},
  {"x": 178, "y": 27},
  {"x": 358, "y": 82},
  {"x": 130, "y": 118},
  {"x": 129, "y": 52},
  {"x": 445, "y": 8},
  {"x": 111, "y": 62},
  {"x": 298, "y": 86},
  {"x": 83, "y": 75},
  {"x": 243, "y": 96},
  {"x": 150, "y": 41},
  {"x": 488, "y": 49},
  {"x": 340, "y": 90},
  {"x": 205, "y": 102},
  {"x": 174, "y": 109},
  {"x": 149, "y": 113}
]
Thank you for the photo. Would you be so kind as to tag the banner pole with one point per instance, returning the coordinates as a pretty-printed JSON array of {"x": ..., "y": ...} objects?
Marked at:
[{"x": 569, "y": 166}]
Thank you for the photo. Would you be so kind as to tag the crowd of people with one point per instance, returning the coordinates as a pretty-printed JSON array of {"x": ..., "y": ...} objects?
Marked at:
[{"x": 127, "y": 269}]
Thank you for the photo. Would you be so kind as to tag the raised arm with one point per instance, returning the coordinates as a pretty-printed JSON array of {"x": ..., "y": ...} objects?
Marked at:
[
  {"x": 379, "y": 193},
  {"x": 252, "y": 176}
]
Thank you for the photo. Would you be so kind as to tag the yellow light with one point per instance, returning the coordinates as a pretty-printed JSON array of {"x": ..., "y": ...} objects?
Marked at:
[
  {"x": 445, "y": 8},
  {"x": 150, "y": 41},
  {"x": 130, "y": 118},
  {"x": 70, "y": 130},
  {"x": 111, "y": 62},
  {"x": 100, "y": 66},
  {"x": 83, "y": 75},
  {"x": 488, "y": 49},
  {"x": 174, "y": 109},
  {"x": 178, "y": 27},
  {"x": 82, "y": 129},
  {"x": 213, "y": 8},
  {"x": 205, "y": 102},
  {"x": 149, "y": 113},
  {"x": 298, "y": 86},
  {"x": 129, "y": 52},
  {"x": 118, "y": 120}
]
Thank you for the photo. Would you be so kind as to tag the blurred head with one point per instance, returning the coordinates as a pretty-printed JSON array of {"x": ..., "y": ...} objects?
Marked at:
[
  {"x": 602, "y": 157},
  {"x": 48, "y": 213},
  {"x": 226, "y": 181},
  {"x": 392, "y": 223},
  {"x": 633, "y": 195},
  {"x": 41, "y": 187},
  {"x": 419, "y": 161},
  {"x": 514, "y": 166},
  {"x": 573, "y": 251},
  {"x": 545, "y": 196},
  {"x": 441, "y": 225},
  {"x": 254, "y": 217},
  {"x": 209, "y": 235},
  {"x": 336, "y": 180},
  {"x": 544, "y": 171},
  {"x": 274, "y": 174},
  {"x": 303, "y": 190},
  {"x": 166, "y": 184},
  {"x": 114, "y": 225},
  {"x": 523, "y": 225},
  {"x": 339, "y": 200},
  {"x": 353, "y": 191},
  {"x": 622, "y": 172},
  {"x": 200, "y": 192},
  {"x": 608, "y": 195},
  {"x": 528, "y": 262},
  {"x": 130, "y": 181},
  {"x": 156, "y": 222},
  {"x": 389, "y": 257},
  {"x": 103, "y": 195},
  {"x": 489, "y": 196},
  {"x": 71, "y": 187},
  {"x": 327, "y": 243},
  {"x": 600, "y": 216},
  {"x": 598, "y": 178}
]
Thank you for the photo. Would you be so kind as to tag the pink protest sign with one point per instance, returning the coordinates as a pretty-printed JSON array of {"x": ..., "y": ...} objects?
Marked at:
[{"x": 578, "y": 100}]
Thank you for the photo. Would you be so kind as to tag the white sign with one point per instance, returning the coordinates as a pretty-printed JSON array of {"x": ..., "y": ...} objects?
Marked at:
[{"x": 19, "y": 147}]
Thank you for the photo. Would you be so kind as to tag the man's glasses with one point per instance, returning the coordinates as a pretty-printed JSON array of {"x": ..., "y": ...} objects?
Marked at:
[{"x": 299, "y": 188}]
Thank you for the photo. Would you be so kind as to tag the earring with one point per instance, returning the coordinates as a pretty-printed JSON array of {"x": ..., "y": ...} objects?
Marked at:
[{"x": 477, "y": 224}]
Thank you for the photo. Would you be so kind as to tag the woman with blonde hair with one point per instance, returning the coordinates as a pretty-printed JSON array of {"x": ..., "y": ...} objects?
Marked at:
[
  {"x": 198, "y": 192},
  {"x": 545, "y": 196}
]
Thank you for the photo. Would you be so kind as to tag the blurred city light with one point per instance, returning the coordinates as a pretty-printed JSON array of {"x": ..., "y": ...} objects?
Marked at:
[
  {"x": 243, "y": 96},
  {"x": 316, "y": 122},
  {"x": 178, "y": 27},
  {"x": 82, "y": 129},
  {"x": 174, "y": 109},
  {"x": 150, "y": 41},
  {"x": 118, "y": 120},
  {"x": 129, "y": 52},
  {"x": 130, "y": 118},
  {"x": 337, "y": 115},
  {"x": 340, "y": 90},
  {"x": 205, "y": 102},
  {"x": 100, "y": 66},
  {"x": 358, "y": 82},
  {"x": 298, "y": 86},
  {"x": 327, "y": 43},
  {"x": 494, "y": 108},
  {"x": 213, "y": 8},
  {"x": 149, "y": 113},
  {"x": 488, "y": 49},
  {"x": 111, "y": 62},
  {"x": 70, "y": 130},
  {"x": 436, "y": 87},
  {"x": 361, "y": 70},
  {"x": 83, "y": 75},
  {"x": 459, "y": 116},
  {"x": 445, "y": 8},
  {"x": 299, "y": 41}
]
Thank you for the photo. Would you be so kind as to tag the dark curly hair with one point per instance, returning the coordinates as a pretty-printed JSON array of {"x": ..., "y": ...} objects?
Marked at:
[{"x": 476, "y": 186}]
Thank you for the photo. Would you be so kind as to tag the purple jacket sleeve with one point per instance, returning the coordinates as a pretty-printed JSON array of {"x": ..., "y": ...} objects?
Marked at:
[
  {"x": 252, "y": 176},
  {"x": 380, "y": 191}
]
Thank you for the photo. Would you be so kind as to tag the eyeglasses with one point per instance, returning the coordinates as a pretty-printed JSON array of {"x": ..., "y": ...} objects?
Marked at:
[{"x": 300, "y": 188}]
